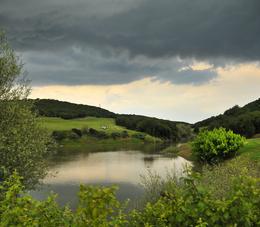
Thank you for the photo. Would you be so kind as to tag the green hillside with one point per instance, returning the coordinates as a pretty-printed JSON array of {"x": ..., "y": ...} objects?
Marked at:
[
  {"x": 106, "y": 125},
  {"x": 168, "y": 130},
  {"x": 95, "y": 134},
  {"x": 53, "y": 123},
  {"x": 80, "y": 115},
  {"x": 242, "y": 120},
  {"x": 251, "y": 149},
  {"x": 67, "y": 110}
]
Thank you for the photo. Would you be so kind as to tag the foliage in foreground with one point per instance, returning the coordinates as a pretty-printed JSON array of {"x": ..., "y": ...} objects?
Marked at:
[
  {"x": 190, "y": 204},
  {"x": 22, "y": 141},
  {"x": 217, "y": 178},
  {"x": 193, "y": 205},
  {"x": 97, "y": 207},
  {"x": 216, "y": 145}
]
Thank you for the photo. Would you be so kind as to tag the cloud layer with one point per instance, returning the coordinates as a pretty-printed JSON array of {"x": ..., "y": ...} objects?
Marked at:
[
  {"x": 201, "y": 28},
  {"x": 120, "y": 41}
]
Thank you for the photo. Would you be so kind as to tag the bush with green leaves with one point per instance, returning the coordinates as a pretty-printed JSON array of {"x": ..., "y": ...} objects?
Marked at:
[
  {"x": 124, "y": 134},
  {"x": 216, "y": 145},
  {"x": 23, "y": 142},
  {"x": 85, "y": 131},
  {"x": 193, "y": 205},
  {"x": 115, "y": 135},
  {"x": 186, "y": 204},
  {"x": 59, "y": 135},
  {"x": 97, "y": 206},
  {"x": 77, "y": 131},
  {"x": 140, "y": 136},
  {"x": 98, "y": 134}
]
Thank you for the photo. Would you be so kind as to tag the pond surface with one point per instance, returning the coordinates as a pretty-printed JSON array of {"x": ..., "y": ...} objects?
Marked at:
[{"x": 122, "y": 168}]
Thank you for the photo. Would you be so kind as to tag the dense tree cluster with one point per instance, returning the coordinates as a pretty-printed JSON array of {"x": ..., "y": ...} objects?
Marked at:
[
  {"x": 66, "y": 110},
  {"x": 242, "y": 120},
  {"x": 155, "y": 127}
]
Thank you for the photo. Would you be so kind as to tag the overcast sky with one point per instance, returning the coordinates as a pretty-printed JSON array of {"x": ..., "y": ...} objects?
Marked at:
[{"x": 175, "y": 59}]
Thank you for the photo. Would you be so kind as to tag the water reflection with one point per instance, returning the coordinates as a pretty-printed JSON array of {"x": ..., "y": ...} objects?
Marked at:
[
  {"x": 123, "y": 168},
  {"x": 110, "y": 167},
  {"x": 148, "y": 161}
]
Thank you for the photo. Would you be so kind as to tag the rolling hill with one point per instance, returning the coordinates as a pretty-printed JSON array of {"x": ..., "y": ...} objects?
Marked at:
[
  {"x": 67, "y": 110},
  {"x": 54, "y": 109},
  {"x": 242, "y": 120}
]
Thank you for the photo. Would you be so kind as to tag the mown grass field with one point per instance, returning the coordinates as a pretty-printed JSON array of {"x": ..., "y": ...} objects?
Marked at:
[{"x": 53, "y": 123}]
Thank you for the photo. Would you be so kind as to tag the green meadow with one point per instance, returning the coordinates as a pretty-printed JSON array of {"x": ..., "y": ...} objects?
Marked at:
[
  {"x": 251, "y": 149},
  {"x": 59, "y": 124},
  {"x": 92, "y": 144}
]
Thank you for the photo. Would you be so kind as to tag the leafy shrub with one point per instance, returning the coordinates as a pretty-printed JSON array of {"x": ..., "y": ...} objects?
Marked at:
[
  {"x": 59, "y": 135},
  {"x": 193, "y": 205},
  {"x": 85, "y": 131},
  {"x": 98, "y": 206},
  {"x": 77, "y": 131},
  {"x": 24, "y": 144},
  {"x": 139, "y": 136},
  {"x": 124, "y": 134},
  {"x": 186, "y": 204},
  {"x": 72, "y": 135},
  {"x": 98, "y": 134},
  {"x": 214, "y": 146},
  {"x": 115, "y": 135}
]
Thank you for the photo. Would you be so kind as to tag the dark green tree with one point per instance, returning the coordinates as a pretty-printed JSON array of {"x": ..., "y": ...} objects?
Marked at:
[{"x": 23, "y": 143}]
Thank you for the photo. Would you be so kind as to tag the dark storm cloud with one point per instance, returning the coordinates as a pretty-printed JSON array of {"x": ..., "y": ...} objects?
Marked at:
[
  {"x": 212, "y": 30},
  {"x": 75, "y": 67}
]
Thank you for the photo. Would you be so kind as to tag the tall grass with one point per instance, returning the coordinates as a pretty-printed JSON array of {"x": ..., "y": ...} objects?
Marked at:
[{"x": 219, "y": 179}]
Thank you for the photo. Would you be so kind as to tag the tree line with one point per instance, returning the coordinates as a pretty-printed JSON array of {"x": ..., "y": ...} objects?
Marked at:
[
  {"x": 67, "y": 110},
  {"x": 165, "y": 129},
  {"x": 241, "y": 120}
]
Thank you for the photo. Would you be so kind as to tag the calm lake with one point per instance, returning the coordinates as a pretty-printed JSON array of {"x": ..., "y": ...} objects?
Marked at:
[{"x": 122, "y": 168}]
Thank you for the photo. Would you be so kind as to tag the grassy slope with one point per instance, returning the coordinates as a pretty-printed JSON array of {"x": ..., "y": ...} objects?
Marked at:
[
  {"x": 251, "y": 149},
  {"x": 90, "y": 143},
  {"x": 53, "y": 123}
]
